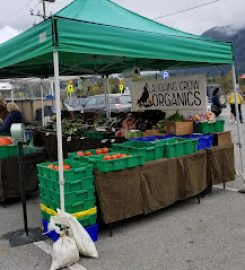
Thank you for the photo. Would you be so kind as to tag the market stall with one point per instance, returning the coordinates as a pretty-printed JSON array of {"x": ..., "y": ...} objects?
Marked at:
[{"x": 76, "y": 41}]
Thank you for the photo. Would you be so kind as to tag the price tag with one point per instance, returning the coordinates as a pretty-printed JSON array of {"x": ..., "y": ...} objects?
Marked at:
[
  {"x": 113, "y": 129},
  {"x": 47, "y": 134},
  {"x": 113, "y": 140},
  {"x": 69, "y": 139},
  {"x": 104, "y": 141},
  {"x": 82, "y": 138}
]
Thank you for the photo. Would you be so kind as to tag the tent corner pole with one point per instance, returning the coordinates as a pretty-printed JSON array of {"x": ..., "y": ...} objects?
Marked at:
[
  {"x": 238, "y": 127},
  {"x": 59, "y": 129},
  {"x": 42, "y": 94}
]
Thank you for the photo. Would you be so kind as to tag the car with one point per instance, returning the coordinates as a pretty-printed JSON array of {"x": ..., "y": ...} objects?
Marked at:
[
  {"x": 118, "y": 104},
  {"x": 74, "y": 104},
  {"x": 220, "y": 98}
]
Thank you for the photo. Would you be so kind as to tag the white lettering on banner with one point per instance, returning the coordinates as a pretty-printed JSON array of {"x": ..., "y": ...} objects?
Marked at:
[
  {"x": 183, "y": 94},
  {"x": 42, "y": 37}
]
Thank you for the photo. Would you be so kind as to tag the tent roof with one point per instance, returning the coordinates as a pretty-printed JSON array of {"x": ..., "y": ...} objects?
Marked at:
[
  {"x": 106, "y": 12},
  {"x": 98, "y": 36}
]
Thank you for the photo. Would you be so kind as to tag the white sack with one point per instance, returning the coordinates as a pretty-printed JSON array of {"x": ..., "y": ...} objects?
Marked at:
[
  {"x": 84, "y": 243},
  {"x": 65, "y": 253}
]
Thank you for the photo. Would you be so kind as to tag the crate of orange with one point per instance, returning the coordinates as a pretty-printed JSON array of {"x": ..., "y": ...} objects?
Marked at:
[
  {"x": 86, "y": 153},
  {"x": 73, "y": 170},
  {"x": 7, "y": 147},
  {"x": 114, "y": 161}
]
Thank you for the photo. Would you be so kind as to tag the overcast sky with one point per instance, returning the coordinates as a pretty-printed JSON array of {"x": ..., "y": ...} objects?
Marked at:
[{"x": 16, "y": 13}]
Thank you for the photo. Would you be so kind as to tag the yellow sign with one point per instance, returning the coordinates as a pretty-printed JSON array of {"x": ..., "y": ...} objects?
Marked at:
[
  {"x": 121, "y": 86},
  {"x": 70, "y": 87}
]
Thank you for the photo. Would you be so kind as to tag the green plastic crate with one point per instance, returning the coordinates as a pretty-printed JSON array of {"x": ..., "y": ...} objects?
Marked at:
[
  {"x": 70, "y": 197},
  {"x": 150, "y": 151},
  {"x": 31, "y": 150},
  {"x": 92, "y": 151},
  {"x": 8, "y": 151},
  {"x": 78, "y": 171},
  {"x": 84, "y": 221},
  {"x": 176, "y": 147},
  {"x": 98, "y": 135},
  {"x": 81, "y": 184},
  {"x": 70, "y": 207},
  {"x": 105, "y": 166},
  {"x": 220, "y": 125},
  {"x": 209, "y": 127}
]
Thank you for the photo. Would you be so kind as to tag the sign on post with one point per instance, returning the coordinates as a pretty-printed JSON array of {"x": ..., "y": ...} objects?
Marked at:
[
  {"x": 121, "y": 86},
  {"x": 70, "y": 87},
  {"x": 184, "y": 94}
]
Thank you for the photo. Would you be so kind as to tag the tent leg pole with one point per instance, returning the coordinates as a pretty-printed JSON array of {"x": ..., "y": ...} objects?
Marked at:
[
  {"x": 108, "y": 95},
  {"x": 42, "y": 93},
  {"x": 107, "y": 99},
  {"x": 59, "y": 130},
  {"x": 238, "y": 128}
]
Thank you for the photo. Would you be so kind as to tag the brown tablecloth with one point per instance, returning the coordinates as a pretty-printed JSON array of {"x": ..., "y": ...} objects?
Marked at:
[
  {"x": 9, "y": 175},
  {"x": 119, "y": 194},
  {"x": 221, "y": 164},
  {"x": 153, "y": 186}
]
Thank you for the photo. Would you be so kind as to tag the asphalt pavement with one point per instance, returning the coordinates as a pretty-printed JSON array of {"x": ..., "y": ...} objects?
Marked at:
[{"x": 184, "y": 236}]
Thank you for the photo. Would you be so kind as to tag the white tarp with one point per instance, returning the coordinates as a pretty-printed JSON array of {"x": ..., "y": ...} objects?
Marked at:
[{"x": 184, "y": 94}]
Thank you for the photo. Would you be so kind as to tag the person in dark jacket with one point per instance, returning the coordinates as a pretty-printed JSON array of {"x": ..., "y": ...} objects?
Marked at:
[{"x": 14, "y": 116}]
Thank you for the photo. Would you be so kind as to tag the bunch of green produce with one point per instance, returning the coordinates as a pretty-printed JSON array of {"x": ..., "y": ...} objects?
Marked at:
[{"x": 176, "y": 117}]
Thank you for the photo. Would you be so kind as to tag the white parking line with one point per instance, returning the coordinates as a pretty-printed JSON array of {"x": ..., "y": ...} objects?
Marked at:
[{"x": 48, "y": 250}]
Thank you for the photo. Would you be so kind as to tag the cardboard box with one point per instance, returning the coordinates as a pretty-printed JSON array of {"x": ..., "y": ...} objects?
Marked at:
[
  {"x": 151, "y": 132},
  {"x": 222, "y": 138},
  {"x": 179, "y": 128}
]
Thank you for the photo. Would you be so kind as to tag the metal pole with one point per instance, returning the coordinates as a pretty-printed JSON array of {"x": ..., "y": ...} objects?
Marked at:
[
  {"x": 44, "y": 10},
  {"x": 12, "y": 95},
  {"x": 108, "y": 113},
  {"x": 106, "y": 98},
  {"x": 59, "y": 130},
  {"x": 238, "y": 127},
  {"x": 42, "y": 94},
  {"x": 22, "y": 186}
]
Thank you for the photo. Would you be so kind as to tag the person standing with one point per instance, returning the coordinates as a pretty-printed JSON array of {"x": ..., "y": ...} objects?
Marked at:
[
  {"x": 215, "y": 107},
  {"x": 231, "y": 101}
]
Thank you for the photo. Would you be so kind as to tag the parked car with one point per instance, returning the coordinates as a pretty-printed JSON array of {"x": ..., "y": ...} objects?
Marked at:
[
  {"x": 74, "y": 104},
  {"x": 220, "y": 98},
  {"x": 118, "y": 104}
]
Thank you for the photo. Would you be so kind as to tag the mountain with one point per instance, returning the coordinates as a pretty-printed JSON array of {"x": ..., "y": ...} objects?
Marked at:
[
  {"x": 6, "y": 33},
  {"x": 236, "y": 35}
]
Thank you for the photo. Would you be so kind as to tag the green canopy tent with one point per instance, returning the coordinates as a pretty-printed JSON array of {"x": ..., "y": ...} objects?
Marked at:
[{"x": 100, "y": 37}]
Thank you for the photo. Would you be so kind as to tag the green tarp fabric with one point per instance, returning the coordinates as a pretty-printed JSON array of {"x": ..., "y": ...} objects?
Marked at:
[
  {"x": 109, "y": 13},
  {"x": 98, "y": 36}
]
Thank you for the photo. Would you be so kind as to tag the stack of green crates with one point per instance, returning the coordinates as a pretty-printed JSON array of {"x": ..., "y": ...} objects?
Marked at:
[{"x": 79, "y": 189}]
